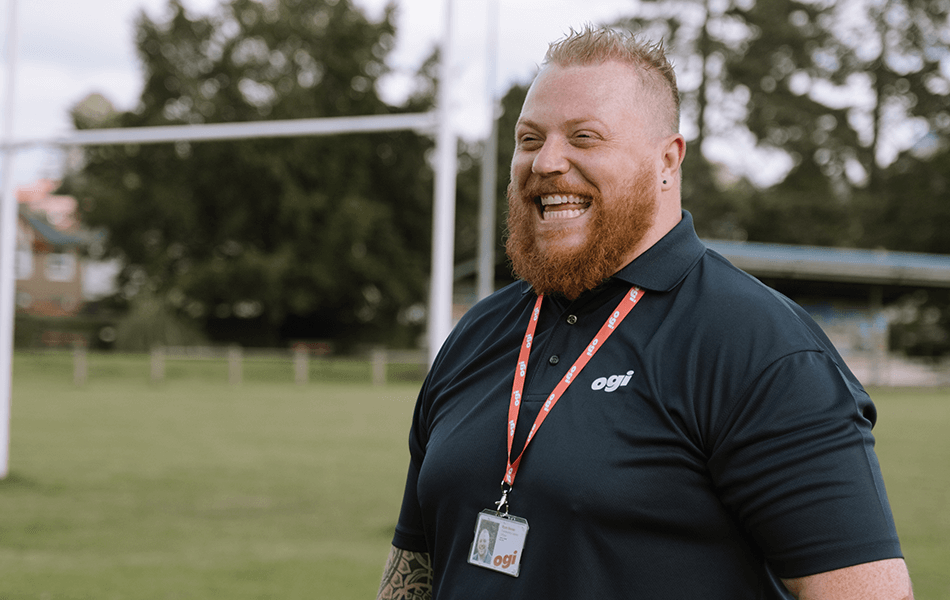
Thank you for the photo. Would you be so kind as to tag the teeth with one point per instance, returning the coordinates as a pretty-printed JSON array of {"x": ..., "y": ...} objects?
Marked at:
[
  {"x": 549, "y": 213},
  {"x": 552, "y": 200},
  {"x": 563, "y": 214}
]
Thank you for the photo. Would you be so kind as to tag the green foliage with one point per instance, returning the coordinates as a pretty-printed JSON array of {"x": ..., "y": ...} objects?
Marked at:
[
  {"x": 922, "y": 324},
  {"x": 510, "y": 110},
  {"x": 913, "y": 211},
  {"x": 34, "y": 331},
  {"x": 149, "y": 323},
  {"x": 783, "y": 59},
  {"x": 830, "y": 82},
  {"x": 829, "y": 85},
  {"x": 469, "y": 187},
  {"x": 791, "y": 214},
  {"x": 262, "y": 241}
]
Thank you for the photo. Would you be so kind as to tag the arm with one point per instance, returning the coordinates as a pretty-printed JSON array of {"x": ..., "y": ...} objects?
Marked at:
[
  {"x": 407, "y": 576},
  {"x": 879, "y": 580}
]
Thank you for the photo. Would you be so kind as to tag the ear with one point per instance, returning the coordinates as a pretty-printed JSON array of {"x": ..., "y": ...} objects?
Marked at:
[{"x": 673, "y": 151}]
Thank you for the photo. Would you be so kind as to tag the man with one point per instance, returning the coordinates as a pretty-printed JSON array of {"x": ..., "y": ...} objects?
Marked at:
[
  {"x": 640, "y": 418},
  {"x": 482, "y": 543}
]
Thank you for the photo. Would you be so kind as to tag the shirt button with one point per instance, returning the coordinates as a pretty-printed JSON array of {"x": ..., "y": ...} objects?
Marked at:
[
  {"x": 554, "y": 359},
  {"x": 571, "y": 319}
]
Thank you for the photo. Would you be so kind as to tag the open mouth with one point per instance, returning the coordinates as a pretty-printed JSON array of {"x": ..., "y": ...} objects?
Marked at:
[{"x": 556, "y": 207}]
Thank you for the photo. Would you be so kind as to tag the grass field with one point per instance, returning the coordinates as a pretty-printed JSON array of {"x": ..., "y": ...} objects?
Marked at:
[{"x": 126, "y": 489}]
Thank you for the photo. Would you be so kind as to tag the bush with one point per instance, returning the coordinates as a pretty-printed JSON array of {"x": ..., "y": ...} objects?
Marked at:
[{"x": 151, "y": 323}]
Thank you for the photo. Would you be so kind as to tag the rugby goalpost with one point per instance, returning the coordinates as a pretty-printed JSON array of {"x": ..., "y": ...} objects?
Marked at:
[{"x": 439, "y": 314}]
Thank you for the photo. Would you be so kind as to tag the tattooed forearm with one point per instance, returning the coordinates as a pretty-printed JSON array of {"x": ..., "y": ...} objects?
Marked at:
[{"x": 407, "y": 576}]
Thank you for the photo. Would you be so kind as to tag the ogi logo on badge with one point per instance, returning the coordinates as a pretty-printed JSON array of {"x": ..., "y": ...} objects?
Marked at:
[{"x": 499, "y": 542}]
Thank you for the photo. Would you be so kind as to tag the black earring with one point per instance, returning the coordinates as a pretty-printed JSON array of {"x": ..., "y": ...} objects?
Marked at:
[{"x": 664, "y": 182}]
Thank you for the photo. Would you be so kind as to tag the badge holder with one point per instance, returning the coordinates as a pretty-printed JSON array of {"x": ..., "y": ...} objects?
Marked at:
[{"x": 499, "y": 540}]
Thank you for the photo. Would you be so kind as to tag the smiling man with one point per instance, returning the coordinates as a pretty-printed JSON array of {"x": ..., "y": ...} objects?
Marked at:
[
  {"x": 594, "y": 180},
  {"x": 636, "y": 418}
]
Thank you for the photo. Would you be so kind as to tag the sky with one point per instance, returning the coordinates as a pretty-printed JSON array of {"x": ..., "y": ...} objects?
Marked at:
[{"x": 68, "y": 49}]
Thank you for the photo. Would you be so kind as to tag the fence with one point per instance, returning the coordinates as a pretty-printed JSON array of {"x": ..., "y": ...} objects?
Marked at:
[
  {"x": 302, "y": 362},
  {"x": 377, "y": 365}
]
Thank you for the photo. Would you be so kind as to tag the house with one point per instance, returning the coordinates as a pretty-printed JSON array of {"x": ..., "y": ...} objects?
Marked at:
[{"x": 49, "y": 245}]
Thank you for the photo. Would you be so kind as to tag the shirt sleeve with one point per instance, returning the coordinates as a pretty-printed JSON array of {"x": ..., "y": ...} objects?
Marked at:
[
  {"x": 410, "y": 534},
  {"x": 410, "y": 529},
  {"x": 794, "y": 461}
]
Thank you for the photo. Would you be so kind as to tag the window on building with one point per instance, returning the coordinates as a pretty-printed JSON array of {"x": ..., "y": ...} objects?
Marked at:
[
  {"x": 24, "y": 299},
  {"x": 60, "y": 267},
  {"x": 24, "y": 263}
]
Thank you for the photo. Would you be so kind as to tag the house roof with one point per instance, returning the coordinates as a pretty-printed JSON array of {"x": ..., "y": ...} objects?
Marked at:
[
  {"x": 47, "y": 232},
  {"x": 821, "y": 264},
  {"x": 812, "y": 263}
]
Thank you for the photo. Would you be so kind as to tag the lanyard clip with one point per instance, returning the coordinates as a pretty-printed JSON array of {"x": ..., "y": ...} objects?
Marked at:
[{"x": 503, "y": 503}]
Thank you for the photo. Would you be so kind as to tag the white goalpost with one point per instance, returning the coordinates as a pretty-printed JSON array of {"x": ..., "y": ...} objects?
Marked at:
[
  {"x": 439, "y": 320},
  {"x": 8, "y": 223}
]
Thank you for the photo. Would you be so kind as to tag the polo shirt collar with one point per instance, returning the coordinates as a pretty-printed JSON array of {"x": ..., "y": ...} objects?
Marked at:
[{"x": 665, "y": 264}]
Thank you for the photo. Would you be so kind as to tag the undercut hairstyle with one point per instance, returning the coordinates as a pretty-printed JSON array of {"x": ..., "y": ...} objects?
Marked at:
[{"x": 596, "y": 45}]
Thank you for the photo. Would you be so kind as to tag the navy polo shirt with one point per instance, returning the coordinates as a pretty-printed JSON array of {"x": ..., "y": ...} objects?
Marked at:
[{"x": 732, "y": 446}]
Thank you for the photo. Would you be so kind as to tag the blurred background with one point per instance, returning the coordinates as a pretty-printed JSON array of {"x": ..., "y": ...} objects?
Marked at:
[
  {"x": 218, "y": 343},
  {"x": 812, "y": 124}
]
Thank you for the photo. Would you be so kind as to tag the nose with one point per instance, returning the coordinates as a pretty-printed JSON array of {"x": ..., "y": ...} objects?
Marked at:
[{"x": 551, "y": 159}]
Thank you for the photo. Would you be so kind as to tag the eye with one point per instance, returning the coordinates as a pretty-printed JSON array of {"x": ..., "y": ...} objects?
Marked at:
[
  {"x": 529, "y": 141},
  {"x": 585, "y": 137}
]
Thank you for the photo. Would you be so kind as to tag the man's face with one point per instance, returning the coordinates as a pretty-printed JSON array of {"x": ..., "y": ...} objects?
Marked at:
[
  {"x": 583, "y": 191},
  {"x": 482, "y": 546}
]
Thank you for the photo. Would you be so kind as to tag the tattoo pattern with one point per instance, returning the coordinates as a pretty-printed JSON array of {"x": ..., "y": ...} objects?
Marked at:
[{"x": 407, "y": 576}]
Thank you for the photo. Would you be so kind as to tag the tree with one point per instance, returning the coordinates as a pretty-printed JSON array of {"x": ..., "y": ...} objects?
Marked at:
[
  {"x": 828, "y": 81},
  {"x": 511, "y": 104},
  {"x": 263, "y": 241},
  {"x": 831, "y": 86},
  {"x": 510, "y": 110},
  {"x": 836, "y": 85},
  {"x": 914, "y": 211},
  {"x": 699, "y": 37}
]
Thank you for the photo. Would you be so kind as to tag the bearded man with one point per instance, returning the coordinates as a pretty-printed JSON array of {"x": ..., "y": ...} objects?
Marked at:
[{"x": 636, "y": 417}]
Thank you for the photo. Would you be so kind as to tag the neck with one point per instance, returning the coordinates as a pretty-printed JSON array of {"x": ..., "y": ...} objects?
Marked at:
[{"x": 669, "y": 213}]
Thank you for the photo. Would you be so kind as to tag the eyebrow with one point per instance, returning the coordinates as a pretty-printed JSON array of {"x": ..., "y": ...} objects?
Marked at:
[
  {"x": 526, "y": 123},
  {"x": 578, "y": 121}
]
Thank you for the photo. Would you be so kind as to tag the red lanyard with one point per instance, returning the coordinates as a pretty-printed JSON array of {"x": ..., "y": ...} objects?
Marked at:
[{"x": 514, "y": 407}]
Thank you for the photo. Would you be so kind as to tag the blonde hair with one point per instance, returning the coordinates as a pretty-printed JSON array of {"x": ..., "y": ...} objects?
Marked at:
[{"x": 591, "y": 46}]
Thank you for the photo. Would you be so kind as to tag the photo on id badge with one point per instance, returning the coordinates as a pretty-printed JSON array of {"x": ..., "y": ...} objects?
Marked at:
[{"x": 498, "y": 543}]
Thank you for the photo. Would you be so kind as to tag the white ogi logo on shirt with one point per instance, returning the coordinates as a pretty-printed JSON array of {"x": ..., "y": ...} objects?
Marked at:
[{"x": 609, "y": 384}]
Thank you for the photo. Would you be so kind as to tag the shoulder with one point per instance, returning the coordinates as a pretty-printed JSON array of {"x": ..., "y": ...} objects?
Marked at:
[
  {"x": 732, "y": 331},
  {"x": 500, "y": 311},
  {"x": 498, "y": 305},
  {"x": 492, "y": 326},
  {"x": 734, "y": 306}
]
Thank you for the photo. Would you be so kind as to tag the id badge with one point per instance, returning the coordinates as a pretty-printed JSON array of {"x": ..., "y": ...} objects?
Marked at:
[{"x": 499, "y": 542}]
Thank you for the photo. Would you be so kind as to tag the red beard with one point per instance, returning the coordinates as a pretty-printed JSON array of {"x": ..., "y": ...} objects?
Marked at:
[{"x": 616, "y": 228}]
